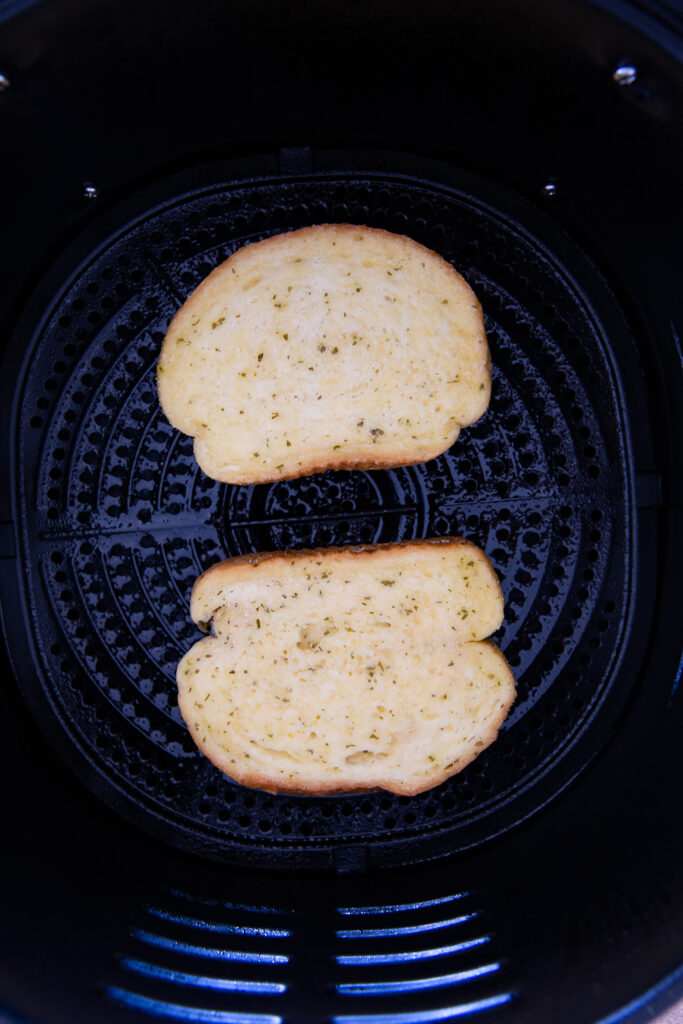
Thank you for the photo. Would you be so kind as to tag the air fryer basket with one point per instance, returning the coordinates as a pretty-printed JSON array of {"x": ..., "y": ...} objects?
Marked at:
[{"x": 145, "y": 882}]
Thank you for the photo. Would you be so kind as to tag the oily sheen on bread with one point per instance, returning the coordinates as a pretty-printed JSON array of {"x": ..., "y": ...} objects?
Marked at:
[
  {"x": 347, "y": 669},
  {"x": 330, "y": 347}
]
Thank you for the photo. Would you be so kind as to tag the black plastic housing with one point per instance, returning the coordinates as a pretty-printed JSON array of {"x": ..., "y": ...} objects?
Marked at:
[{"x": 143, "y": 143}]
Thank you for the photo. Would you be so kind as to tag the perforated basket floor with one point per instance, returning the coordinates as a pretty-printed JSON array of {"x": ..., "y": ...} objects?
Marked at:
[{"x": 114, "y": 520}]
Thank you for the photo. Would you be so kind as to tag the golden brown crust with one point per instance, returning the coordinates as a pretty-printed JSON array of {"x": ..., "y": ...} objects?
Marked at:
[
  {"x": 283, "y": 238},
  {"x": 264, "y": 782},
  {"x": 396, "y": 451},
  {"x": 224, "y": 572},
  {"x": 312, "y": 468},
  {"x": 255, "y": 780},
  {"x": 351, "y": 550},
  {"x": 312, "y": 230}
]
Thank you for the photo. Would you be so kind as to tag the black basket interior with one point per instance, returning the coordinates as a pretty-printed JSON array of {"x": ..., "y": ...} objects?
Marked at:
[{"x": 117, "y": 520}]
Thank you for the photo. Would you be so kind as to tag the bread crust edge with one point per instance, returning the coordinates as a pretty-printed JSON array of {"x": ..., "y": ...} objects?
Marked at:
[
  {"x": 256, "y": 780},
  {"x": 352, "y": 550},
  {"x": 343, "y": 462}
]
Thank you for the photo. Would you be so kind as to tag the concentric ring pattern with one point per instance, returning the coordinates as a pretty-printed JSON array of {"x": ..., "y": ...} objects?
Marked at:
[{"x": 118, "y": 521}]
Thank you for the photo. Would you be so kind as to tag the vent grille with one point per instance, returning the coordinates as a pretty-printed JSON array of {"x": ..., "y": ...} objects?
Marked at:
[
  {"x": 210, "y": 961},
  {"x": 380, "y": 967},
  {"x": 201, "y": 960}
]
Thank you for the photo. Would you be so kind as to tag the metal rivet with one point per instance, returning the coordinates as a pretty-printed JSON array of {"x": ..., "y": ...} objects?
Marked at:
[
  {"x": 625, "y": 74},
  {"x": 90, "y": 191},
  {"x": 550, "y": 189},
  {"x": 4, "y": 82}
]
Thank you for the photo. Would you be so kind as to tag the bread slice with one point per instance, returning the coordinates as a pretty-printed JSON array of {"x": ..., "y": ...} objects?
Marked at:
[
  {"x": 346, "y": 669},
  {"x": 331, "y": 347}
]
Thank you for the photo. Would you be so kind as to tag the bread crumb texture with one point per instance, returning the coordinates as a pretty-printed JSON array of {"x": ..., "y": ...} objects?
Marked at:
[
  {"x": 340, "y": 670},
  {"x": 334, "y": 346}
]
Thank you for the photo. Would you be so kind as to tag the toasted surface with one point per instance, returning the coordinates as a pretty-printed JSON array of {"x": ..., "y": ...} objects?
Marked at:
[
  {"x": 335, "y": 346},
  {"x": 344, "y": 669}
]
